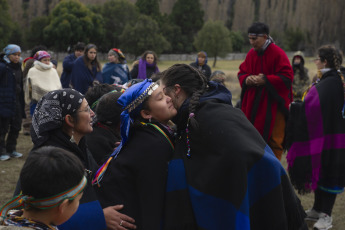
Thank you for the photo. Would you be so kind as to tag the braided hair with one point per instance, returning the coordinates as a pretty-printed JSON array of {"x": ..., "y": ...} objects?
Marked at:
[
  {"x": 191, "y": 80},
  {"x": 334, "y": 59}
]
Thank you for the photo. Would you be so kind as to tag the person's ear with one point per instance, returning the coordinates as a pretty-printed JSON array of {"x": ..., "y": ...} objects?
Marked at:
[
  {"x": 63, "y": 206},
  {"x": 177, "y": 89},
  {"x": 145, "y": 114},
  {"x": 69, "y": 120}
]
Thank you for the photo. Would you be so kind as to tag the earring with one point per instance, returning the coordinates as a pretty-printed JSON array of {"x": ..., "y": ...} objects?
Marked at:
[
  {"x": 72, "y": 137},
  {"x": 150, "y": 120}
]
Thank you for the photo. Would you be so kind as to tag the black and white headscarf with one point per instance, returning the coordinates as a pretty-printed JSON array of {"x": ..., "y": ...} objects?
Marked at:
[{"x": 50, "y": 112}]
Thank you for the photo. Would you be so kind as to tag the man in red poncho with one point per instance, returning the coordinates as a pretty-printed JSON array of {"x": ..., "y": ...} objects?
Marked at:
[{"x": 266, "y": 77}]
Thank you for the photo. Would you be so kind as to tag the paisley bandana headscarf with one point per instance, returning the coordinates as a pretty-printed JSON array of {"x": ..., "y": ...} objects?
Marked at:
[{"x": 50, "y": 112}]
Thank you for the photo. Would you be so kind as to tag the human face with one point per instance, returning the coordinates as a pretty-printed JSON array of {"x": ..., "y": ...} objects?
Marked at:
[
  {"x": 201, "y": 60},
  {"x": 150, "y": 58},
  {"x": 45, "y": 60},
  {"x": 160, "y": 106},
  {"x": 92, "y": 53},
  {"x": 14, "y": 58},
  {"x": 319, "y": 64},
  {"x": 78, "y": 53},
  {"x": 112, "y": 58},
  {"x": 84, "y": 121},
  {"x": 297, "y": 60},
  {"x": 257, "y": 41},
  {"x": 70, "y": 210}
]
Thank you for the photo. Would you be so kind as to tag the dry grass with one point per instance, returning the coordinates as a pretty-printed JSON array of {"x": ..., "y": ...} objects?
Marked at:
[{"x": 9, "y": 170}]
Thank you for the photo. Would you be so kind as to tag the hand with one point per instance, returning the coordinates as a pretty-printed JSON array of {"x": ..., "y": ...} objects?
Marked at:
[
  {"x": 259, "y": 80},
  {"x": 117, "y": 221},
  {"x": 250, "y": 80}
]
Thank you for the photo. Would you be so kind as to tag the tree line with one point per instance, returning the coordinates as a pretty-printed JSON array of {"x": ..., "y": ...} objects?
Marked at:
[{"x": 119, "y": 23}]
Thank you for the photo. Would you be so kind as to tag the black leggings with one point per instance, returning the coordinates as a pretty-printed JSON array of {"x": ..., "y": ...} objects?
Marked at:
[{"x": 324, "y": 201}]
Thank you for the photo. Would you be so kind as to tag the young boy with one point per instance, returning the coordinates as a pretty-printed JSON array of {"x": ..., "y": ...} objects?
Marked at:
[
  {"x": 52, "y": 181},
  {"x": 11, "y": 101}
]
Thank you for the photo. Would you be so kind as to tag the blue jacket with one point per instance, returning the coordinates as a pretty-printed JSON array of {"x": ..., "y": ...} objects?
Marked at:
[
  {"x": 82, "y": 78},
  {"x": 67, "y": 70},
  {"x": 115, "y": 73}
]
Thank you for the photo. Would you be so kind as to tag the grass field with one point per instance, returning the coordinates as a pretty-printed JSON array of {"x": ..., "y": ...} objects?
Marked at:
[{"x": 9, "y": 170}]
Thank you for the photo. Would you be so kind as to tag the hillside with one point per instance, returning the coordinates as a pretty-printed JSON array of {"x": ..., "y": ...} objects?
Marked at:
[{"x": 321, "y": 23}]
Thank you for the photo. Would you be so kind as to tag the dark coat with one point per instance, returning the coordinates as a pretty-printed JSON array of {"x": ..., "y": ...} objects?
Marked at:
[
  {"x": 82, "y": 78},
  {"x": 316, "y": 131},
  {"x": 67, "y": 65},
  {"x": 101, "y": 142},
  {"x": 137, "y": 177},
  {"x": 89, "y": 214},
  {"x": 205, "y": 69},
  {"x": 232, "y": 180},
  {"x": 11, "y": 89},
  {"x": 149, "y": 71}
]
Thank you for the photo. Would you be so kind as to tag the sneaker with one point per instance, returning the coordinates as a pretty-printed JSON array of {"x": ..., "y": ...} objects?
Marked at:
[
  {"x": 312, "y": 215},
  {"x": 4, "y": 157},
  {"x": 324, "y": 222},
  {"x": 15, "y": 154}
]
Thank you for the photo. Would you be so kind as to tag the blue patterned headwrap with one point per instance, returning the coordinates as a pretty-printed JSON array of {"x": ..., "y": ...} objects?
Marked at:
[
  {"x": 11, "y": 49},
  {"x": 131, "y": 101}
]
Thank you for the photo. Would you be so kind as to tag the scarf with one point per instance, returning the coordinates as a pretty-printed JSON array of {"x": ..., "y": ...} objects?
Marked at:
[{"x": 142, "y": 68}]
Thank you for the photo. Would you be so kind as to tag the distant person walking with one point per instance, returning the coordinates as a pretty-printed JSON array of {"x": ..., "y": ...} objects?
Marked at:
[
  {"x": 86, "y": 70},
  {"x": 146, "y": 67},
  {"x": 68, "y": 63},
  {"x": 201, "y": 64},
  {"x": 266, "y": 78}
]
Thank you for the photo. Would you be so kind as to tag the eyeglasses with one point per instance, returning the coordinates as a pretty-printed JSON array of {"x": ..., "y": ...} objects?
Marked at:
[
  {"x": 87, "y": 109},
  {"x": 316, "y": 59}
]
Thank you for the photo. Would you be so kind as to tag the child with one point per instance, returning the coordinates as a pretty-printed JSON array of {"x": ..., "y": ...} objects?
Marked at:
[
  {"x": 11, "y": 101},
  {"x": 42, "y": 78},
  {"x": 52, "y": 181}
]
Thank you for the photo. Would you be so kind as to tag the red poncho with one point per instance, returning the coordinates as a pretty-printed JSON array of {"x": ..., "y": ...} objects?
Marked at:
[{"x": 260, "y": 104}]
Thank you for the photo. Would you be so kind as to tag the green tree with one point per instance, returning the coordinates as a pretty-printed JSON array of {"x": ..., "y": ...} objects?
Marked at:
[
  {"x": 116, "y": 14},
  {"x": 237, "y": 41},
  {"x": 6, "y": 24},
  {"x": 293, "y": 39},
  {"x": 34, "y": 35},
  {"x": 172, "y": 34},
  {"x": 71, "y": 21},
  {"x": 149, "y": 8},
  {"x": 188, "y": 15},
  {"x": 144, "y": 35},
  {"x": 214, "y": 38}
]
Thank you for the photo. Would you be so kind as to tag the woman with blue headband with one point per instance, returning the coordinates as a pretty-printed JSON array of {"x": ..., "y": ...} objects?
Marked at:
[{"x": 135, "y": 174}]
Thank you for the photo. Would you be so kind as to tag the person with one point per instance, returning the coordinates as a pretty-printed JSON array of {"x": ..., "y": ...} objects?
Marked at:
[
  {"x": 42, "y": 78},
  {"x": 68, "y": 63},
  {"x": 86, "y": 70},
  {"x": 27, "y": 64},
  {"x": 11, "y": 101},
  {"x": 201, "y": 64},
  {"x": 146, "y": 67},
  {"x": 106, "y": 129},
  {"x": 48, "y": 197},
  {"x": 315, "y": 158},
  {"x": 135, "y": 174},
  {"x": 116, "y": 70},
  {"x": 218, "y": 76},
  {"x": 301, "y": 79},
  {"x": 61, "y": 119},
  {"x": 266, "y": 77},
  {"x": 222, "y": 175}
]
